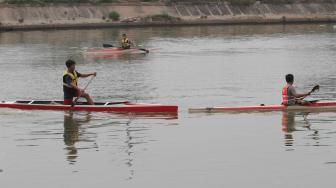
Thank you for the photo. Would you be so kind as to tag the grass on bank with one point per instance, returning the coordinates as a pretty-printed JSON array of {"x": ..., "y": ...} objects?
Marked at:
[
  {"x": 115, "y": 16},
  {"x": 163, "y": 17}
]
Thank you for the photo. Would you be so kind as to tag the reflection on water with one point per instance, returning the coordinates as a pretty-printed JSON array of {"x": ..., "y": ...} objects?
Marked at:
[
  {"x": 295, "y": 122},
  {"x": 111, "y": 56},
  {"x": 125, "y": 134},
  {"x": 73, "y": 134},
  {"x": 128, "y": 150}
]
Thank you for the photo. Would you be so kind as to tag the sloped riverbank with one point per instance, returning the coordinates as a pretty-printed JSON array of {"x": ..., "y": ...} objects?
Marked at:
[{"x": 48, "y": 16}]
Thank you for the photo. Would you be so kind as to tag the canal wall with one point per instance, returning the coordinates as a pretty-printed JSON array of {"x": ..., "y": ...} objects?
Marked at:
[{"x": 143, "y": 14}]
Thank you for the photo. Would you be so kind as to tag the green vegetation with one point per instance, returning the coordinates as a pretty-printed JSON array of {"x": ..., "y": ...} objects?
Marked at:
[
  {"x": 163, "y": 17},
  {"x": 115, "y": 16},
  {"x": 242, "y": 2}
]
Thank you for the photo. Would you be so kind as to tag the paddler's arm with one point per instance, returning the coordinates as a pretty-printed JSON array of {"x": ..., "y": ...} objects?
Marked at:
[
  {"x": 88, "y": 74},
  {"x": 300, "y": 95}
]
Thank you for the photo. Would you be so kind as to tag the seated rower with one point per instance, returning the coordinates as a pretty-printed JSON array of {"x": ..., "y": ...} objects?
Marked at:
[
  {"x": 70, "y": 87},
  {"x": 125, "y": 43},
  {"x": 290, "y": 96}
]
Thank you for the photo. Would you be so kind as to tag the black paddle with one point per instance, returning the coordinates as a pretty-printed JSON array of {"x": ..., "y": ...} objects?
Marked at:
[
  {"x": 143, "y": 49},
  {"x": 108, "y": 45},
  {"x": 138, "y": 47},
  {"x": 75, "y": 101},
  {"x": 315, "y": 88}
]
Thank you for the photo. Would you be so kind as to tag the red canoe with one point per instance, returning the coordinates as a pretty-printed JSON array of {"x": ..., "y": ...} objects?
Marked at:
[
  {"x": 116, "y": 51},
  {"x": 315, "y": 106},
  {"x": 99, "y": 106}
]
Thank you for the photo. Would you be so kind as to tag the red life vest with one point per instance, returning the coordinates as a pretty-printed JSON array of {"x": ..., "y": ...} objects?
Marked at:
[{"x": 284, "y": 95}]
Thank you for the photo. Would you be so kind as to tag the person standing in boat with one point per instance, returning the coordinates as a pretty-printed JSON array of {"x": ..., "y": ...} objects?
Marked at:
[
  {"x": 125, "y": 42},
  {"x": 70, "y": 87},
  {"x": 290, "y": 96}
]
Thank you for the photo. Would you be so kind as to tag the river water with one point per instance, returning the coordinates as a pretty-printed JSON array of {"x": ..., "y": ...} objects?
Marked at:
[{"x": 189, "y": 66}]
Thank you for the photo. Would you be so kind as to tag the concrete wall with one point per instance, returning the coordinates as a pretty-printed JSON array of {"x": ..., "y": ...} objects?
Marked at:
[{"x": 85, "y": 14}]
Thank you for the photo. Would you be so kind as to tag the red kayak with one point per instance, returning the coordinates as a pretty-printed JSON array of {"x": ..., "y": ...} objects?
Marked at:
[
  {"x": 99, "y": 106},
  {"x": 315, "y": 106},
  {"x": 116, "y": 51}
]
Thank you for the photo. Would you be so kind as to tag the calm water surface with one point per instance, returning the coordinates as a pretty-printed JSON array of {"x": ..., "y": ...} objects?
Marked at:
[{"x": 191, "y": 67}]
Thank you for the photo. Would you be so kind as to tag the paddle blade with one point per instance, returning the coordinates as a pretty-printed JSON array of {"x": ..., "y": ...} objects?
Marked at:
[
  {"x": 107, "y": 45},
  {"x": 317, "y": 87},
  {"x": 145, "y": 50}
]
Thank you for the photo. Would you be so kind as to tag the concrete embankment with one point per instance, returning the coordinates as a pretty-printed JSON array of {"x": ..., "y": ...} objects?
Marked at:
[{"x": 141, "y": 14}]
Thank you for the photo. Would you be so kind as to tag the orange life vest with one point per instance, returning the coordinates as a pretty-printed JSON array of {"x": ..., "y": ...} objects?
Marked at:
[{"x": 285, "y": 95}]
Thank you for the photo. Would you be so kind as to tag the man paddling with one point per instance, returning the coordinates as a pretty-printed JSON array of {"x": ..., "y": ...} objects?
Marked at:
[
  {"x": 70, "y": 87},
  {"x": 290, "y": 96},
  {"x": 125, "y": 43}
]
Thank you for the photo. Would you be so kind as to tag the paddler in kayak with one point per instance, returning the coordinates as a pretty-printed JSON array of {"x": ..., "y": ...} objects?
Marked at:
[
  {"x": 290, "y": 96},
  {"x": 125, "y": 42},
  {"x": 70, "y": 87}
]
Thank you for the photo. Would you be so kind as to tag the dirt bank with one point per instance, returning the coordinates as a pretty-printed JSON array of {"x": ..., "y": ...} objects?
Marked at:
[{"x": 136, "y": 14}]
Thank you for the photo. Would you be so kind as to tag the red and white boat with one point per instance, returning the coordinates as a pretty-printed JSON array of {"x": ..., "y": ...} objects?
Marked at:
[
  {"x": 314, "y": 106},
  {"x": 124, "y": 106}
]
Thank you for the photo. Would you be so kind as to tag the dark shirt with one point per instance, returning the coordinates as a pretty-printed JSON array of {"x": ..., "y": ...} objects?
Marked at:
[
  {"x": 290, "y": 93},
  {"x": 69, "y": 92}
]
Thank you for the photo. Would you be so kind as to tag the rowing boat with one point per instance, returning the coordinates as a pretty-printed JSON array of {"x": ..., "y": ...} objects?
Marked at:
[
  {"x": 115, "y": 51},
  {"x": 124, "y": 106},
  {"x": 315, "y": 106}
]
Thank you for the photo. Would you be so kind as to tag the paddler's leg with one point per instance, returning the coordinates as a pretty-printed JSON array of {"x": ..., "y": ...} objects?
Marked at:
[
  {"x": 126, "y": 47},
  {"x": 88, "y": 98},
  {"x": 68, "y": 101},
  {"x": 302, "y": 102}
]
